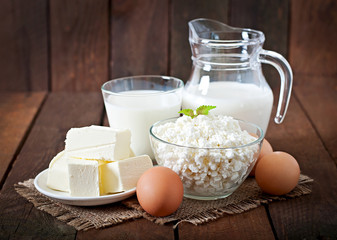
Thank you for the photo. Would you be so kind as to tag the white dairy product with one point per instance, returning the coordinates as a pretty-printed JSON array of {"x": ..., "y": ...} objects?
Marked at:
[
  {"x": 58, "y": 173},
  {"x": 104, "y": 153},
  {"x": 206, "y": 171},
  {"x": 96, "y": 162},
  {"x": 240, "y": 100},
  {"x": 123, "y": 175},
  {"x": 90, "y": 143},
  {"x": 84, "y": 179},
  {"x": 97, "y": 136},
  {"x": 91, "y": 178},
  {"x": 138, "y": 110}
]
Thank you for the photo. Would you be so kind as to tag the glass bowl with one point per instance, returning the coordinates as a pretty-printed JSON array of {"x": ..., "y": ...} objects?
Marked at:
[{"x": 208, "y": 173}]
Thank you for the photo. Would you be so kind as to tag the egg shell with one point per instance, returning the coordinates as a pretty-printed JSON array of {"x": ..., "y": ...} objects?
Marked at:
[
  {"x": 277, "y": 173},
  {"x": 265, "y": 149},
  {"x": 160, "y": 191}
]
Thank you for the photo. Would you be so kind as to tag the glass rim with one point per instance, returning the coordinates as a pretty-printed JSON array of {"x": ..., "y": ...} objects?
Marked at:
[
  {"x": 257, "y": 141},
  {"x": 143, "y": 78}
]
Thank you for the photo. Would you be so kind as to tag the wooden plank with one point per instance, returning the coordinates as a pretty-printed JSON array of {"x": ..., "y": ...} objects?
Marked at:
[
  {"x": 182, "y": 13},
  {"x": 270, "y": 17},
  {"x": 312, "y": 216},
  {"x": 17, "y": 111},
  {"x": 313, "y": 37},
  {"x": 139, "y": 33},
  {"x": 137, "y": 229},
  {"x": 318, "y": 96},
  {"x": 105, "y": 120},
  {"x": 79, "y": 44},
  {"x": 312, "y": 54},
  {"x": 248, "y": 225},
  {"x": 61, "y": 111},
  {"x": 24, "y": 47}
]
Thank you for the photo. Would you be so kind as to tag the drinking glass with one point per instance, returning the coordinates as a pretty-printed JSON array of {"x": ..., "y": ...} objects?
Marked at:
[{"x": 138, "y": 102}]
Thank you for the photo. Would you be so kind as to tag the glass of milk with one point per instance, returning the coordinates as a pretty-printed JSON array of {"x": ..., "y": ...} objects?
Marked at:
[{"x": 138, "y": 102}]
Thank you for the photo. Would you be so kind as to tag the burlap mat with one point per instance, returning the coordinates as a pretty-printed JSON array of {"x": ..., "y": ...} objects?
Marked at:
[{"x": 248, "y": 196}]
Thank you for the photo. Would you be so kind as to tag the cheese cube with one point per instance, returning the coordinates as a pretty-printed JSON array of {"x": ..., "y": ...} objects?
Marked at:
[
  {"x": 84, "y": 178},
  {"x": 98, "y": 136},
  {"x": 123, "y": 175},
  {"x": 58, "y": 173}
]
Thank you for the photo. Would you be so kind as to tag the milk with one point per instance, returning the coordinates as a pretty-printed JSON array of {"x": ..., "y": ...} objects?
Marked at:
[
  {"x": 138, "y": 110},
  {"x": 240, "y": 100}
]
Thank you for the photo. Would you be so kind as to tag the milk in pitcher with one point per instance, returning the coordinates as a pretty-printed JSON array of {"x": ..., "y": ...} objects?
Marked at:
[{"x": 243, "y": 101}]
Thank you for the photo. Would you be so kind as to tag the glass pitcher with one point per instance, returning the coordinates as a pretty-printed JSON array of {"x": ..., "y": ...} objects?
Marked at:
[{"x": 227, "y": 73}]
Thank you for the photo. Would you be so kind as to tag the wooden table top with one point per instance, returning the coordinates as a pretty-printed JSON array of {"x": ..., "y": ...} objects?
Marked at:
[
  {"x": 55, "y": 55},
  {"x": 33, "y": 131}
]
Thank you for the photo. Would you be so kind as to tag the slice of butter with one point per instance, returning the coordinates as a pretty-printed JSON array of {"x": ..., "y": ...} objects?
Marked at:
[
  {"x": 58, "y": 173},
  {"x": 84, "y": 178},
  {"x": 94, "y": 136},
  {"x": 123, "y": 175}
]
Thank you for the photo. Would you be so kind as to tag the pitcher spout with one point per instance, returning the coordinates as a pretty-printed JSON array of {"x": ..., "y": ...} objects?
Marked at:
[
  {"x": 203, "y": 29},
  {"x": 208, "y": 36}
]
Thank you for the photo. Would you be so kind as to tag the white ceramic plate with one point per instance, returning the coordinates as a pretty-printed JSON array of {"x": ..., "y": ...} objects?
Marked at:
[{"x": 40, "y": 183}]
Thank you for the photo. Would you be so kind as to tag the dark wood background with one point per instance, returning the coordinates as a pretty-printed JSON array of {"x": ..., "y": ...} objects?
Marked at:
[
  {"x": 53, "y": 52},
  {"x": 62, "y": 45}
]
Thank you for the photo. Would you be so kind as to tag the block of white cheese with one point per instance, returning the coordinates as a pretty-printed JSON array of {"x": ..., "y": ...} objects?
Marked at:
[
  {"x": 90, "y": 178},
  {"x": 82, "y": 169},
  {"x": 93, "y": 138},
  {"x": 103, "y": 153},
  {"x": 84, "y": 178},
  {"x": 58, "y": 173},
  {"x": 123, "y": 175}
]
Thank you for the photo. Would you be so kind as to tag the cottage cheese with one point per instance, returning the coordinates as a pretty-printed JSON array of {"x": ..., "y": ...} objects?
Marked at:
[{"x": 210, "y": 170}]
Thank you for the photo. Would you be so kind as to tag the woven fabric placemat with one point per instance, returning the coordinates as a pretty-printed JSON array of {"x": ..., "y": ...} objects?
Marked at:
[{"x": 247, "y": 197}]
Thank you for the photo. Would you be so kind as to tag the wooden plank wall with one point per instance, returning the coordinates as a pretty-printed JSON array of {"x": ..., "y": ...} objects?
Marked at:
[
  {"x": 24, "y": 54},
  {"x": 139, "y": 38},
  {"x": 312, "y": 54},
  {"x": 79, "y": 44},
  {"x": 61, "y": 45}
]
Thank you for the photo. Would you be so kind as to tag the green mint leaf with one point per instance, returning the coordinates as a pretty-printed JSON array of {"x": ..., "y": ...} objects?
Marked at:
[
  {"x": 188, "y": 112},
  {"x": 204, "y": 109}
]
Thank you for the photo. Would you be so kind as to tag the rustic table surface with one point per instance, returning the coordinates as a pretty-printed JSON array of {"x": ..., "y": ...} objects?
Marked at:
[{"x": 54, "y": 56}]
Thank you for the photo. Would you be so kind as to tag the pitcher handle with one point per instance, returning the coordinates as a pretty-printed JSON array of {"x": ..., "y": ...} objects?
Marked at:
[{"x": 286, "y": 75}]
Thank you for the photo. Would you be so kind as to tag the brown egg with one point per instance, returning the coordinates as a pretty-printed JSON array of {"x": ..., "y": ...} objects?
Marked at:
[
  {"x": 160, "y": 191},
  {"x": 265, "y": 149},
  {"x": 277, "y": 173}
]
